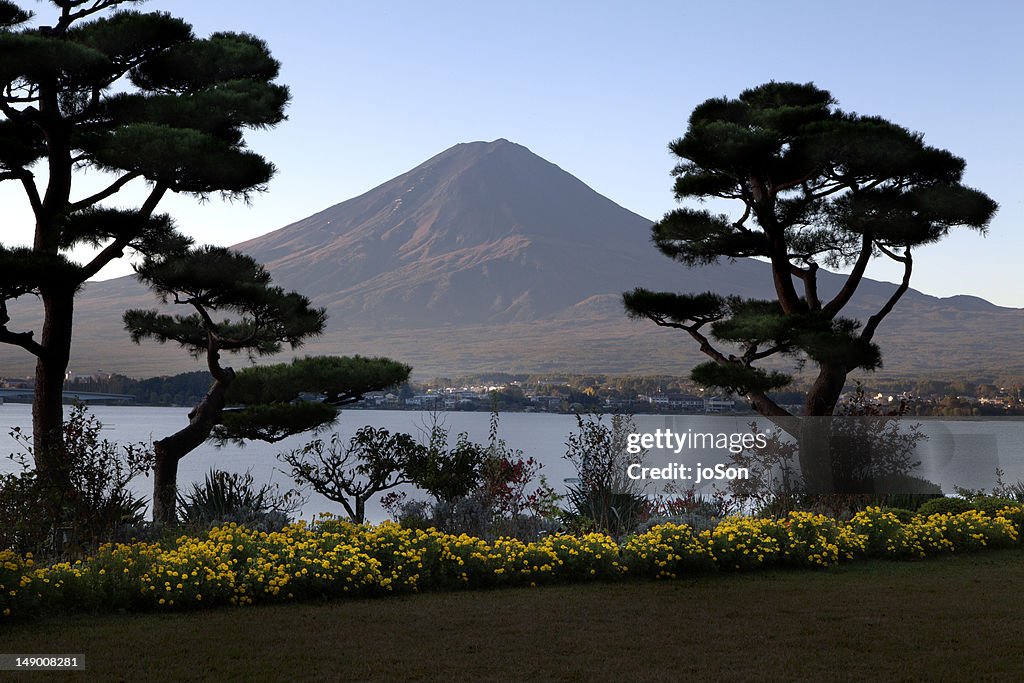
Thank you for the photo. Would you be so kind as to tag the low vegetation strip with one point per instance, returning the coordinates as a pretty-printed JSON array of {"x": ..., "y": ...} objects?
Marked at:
[{"x": 332, "y": 558}]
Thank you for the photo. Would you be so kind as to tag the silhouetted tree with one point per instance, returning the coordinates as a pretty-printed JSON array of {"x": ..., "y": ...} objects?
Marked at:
[
  {"x": 815, "y": 186},
  {"x": 132, "y": 96},
  {"x": 264, "y": 403},
  {"x": 374, "y": 460}
]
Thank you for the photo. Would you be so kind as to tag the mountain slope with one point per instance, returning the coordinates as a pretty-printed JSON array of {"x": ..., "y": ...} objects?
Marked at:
[{"x": 481, "y": 233}]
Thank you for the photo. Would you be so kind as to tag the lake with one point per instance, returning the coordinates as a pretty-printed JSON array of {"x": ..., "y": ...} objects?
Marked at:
[{"x": 957, "y": 452}]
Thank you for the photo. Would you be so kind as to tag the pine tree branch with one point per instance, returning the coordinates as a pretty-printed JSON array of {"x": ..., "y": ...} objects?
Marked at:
[
  {"x": 32, "y": 192},
  {"x": 759, "y": 399},
  {"x": 852, "y": 281},
  {"x": 116, "y": 248},
  {"x": 9, "y": 111},
  {"x": 23, "y": 339},
  {"x": 824, "y": 190},
  {"x": 68, "y": 17},
  {"x": 800, "y": 182},
  {"x": 894, "y": 256},
  {"x": 768, "y": 407},
  {"x": 707, "y": 349},
  {"x": 873, "y": 322},
  {"x": 109, "y": 191},
  {"x": 811, "y": 287},
  {"x": 777, "y": 250},
  {"x": 741, "y": 223},
  {"x": 28, "y": 183},
  {"x": 662, "y": 322},
  {"x": 693, "y": 331},
  {"x": 760, "y": 355},
  {"x": 12, "y": 99}
]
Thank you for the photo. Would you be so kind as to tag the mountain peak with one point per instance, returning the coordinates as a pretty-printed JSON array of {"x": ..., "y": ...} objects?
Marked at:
[
  {"x": 480, "y": 151},
  {"x": 482, "y": 232},
  {"x": 500, "y": 142}
]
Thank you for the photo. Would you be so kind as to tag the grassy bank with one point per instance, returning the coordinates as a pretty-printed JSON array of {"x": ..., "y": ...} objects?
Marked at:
[{"x": 950, "y": 617}]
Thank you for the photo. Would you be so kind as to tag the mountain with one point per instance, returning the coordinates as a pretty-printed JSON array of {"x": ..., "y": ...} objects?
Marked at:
[
  {"x": 483, "y": 233},
  {"x": 486, "y": 257}
]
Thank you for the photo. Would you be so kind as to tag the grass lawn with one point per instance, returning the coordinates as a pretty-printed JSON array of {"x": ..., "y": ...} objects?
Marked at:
[{"x": 954, "y": 618}]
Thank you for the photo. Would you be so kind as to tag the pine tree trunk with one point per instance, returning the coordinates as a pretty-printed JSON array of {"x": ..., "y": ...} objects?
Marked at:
[
  {"x": 165, "y": 485},
  {"x": 48, "y": 403},
  {"x": 815, "y": 429},
  {"x": 170, "y": 450}
]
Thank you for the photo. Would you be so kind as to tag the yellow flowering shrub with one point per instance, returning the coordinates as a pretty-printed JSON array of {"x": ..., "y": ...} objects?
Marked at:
[
  {"x": 19, "y": 592},
  {"x": 885, "y": 535},
  {"x": 333, "y": 558},
  {"x": 974, "y": 530},
  {"x": 665, "y": 552},
  {"x": 590, "y": 556},
  {"x": 1013, "y": 514},
  {"x": 811, "y": 540},
  {"x": 746, "y": 542}
]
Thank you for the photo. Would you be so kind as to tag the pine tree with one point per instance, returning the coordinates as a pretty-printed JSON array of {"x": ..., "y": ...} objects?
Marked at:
[
  {"x": 266, "y": 403},
  {"x": 814, "y": 186},
  {"x": 134, "y": 97}
]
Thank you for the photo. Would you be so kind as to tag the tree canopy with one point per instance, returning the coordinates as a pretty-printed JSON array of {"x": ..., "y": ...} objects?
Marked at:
[
  {"x": 813, "y": 186},
  {"x": 133, "y": 98},
  {"x": 236, "y": 309}
]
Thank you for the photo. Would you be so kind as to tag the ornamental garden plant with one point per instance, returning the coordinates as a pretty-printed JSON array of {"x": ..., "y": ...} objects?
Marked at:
[{"x": 332, "y": 558}]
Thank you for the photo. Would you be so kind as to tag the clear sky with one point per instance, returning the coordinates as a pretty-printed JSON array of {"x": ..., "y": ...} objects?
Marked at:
[{"x": 600, "y": 88}]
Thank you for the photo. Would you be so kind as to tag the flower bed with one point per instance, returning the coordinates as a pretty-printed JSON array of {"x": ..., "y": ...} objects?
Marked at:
[{"x": 331, "y": 558}]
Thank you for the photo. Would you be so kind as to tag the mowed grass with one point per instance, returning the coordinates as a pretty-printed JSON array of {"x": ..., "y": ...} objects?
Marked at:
[{"x": 951, "y": 618}]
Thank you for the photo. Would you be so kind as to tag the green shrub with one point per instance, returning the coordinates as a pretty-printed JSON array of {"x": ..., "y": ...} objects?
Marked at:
[
  {"x": 604, "y": 498},
  {"x": 990, "y": 505},
  {"x": 26, "y": 524},
  {"x": 946, "y": 506},
  {"x": 93, "y": 504},
  {"x": 226, "y": 497}
]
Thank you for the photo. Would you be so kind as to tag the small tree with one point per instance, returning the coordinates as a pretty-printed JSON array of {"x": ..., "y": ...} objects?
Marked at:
[
  {"x": 814, "y": 186},
  {"x": 447, "y": 473},
  {"x": 485, "y": 491},
  {"x": 374, "y": 460},
  {"x": 264, "y": 403},
  {"x": 506, "y": 479}
]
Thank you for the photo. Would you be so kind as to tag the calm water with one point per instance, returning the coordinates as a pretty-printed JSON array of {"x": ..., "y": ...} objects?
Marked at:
[{"x": 964, "y": 453}]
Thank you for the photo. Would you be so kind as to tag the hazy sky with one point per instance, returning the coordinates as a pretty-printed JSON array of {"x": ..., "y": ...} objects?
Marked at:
[{"x": 600, "y": 88}]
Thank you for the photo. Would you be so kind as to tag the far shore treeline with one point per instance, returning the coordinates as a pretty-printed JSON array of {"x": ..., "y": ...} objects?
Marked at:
[{"x": 567, "y": 393}]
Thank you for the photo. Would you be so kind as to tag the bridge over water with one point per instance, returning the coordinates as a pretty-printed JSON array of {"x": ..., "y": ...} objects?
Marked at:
[{"x": 84, "y": 396}]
